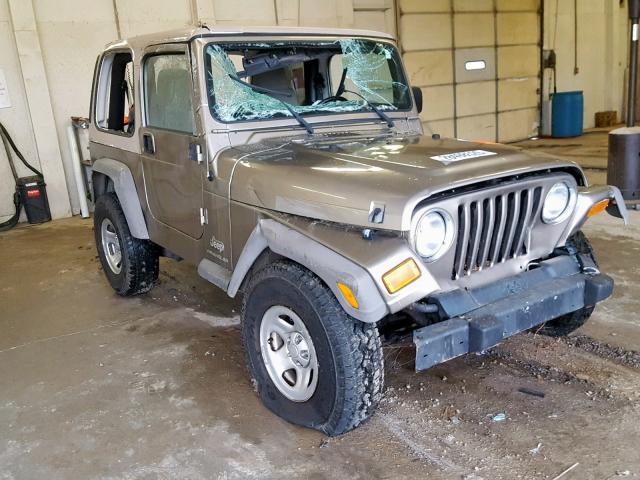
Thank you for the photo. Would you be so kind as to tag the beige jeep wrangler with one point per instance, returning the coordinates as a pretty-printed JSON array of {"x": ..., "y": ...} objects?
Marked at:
[{"x": 290, "y": 165}]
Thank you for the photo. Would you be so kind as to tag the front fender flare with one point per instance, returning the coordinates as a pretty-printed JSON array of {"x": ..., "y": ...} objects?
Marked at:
[
  {"x": 587, "y": 198},
  {"x": 322, "y": 261},
  {"x": 127, "y": 193}
]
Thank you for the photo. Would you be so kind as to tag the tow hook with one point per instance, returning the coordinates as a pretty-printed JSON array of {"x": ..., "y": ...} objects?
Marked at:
[
  {"x": 425, "y": 307},
  {"x": 587, "y": 265}
]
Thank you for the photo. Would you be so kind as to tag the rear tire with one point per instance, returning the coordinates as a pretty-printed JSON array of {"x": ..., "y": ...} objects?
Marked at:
[
  {"x": 346, "y": 354},
  {"x": 130, "y": 264},
  {"x": 563, "y": 326}
]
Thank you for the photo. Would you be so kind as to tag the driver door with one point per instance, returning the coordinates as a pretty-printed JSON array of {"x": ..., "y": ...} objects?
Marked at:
[{"x": 172, "y": 153}]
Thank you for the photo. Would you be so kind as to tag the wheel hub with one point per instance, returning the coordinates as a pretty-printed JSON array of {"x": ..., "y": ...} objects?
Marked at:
[
  {"x": 298, "y": 349},
  {"x": 111, "y": 246},
  {"x": 288, "y": 353}
]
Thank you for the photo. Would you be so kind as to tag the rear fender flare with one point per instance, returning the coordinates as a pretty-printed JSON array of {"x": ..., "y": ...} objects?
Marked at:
[{"x": 127, "y": 193}]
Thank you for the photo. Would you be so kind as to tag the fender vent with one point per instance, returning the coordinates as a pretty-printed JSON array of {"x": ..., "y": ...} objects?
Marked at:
[{"x": 494, "y": 229}]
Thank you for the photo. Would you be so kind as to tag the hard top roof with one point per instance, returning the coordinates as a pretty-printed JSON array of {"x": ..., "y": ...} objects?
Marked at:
[{"x": 188, "y": 33}]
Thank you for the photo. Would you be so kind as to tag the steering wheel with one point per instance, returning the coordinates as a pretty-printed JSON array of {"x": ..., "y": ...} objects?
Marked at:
[{"x": 333, "y": 98}]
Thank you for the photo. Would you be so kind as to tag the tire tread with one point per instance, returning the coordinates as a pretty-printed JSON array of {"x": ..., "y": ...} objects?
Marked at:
[
  {"x": 566, "y": 324},
  {"x": 356, "y": 345},
  {"x": 142, "y": 255}
]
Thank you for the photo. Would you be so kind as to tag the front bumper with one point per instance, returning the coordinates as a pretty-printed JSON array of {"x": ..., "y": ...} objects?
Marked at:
[{"x": 481, "y": 318}]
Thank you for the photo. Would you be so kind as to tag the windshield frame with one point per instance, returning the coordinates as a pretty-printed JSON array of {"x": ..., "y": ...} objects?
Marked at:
[{"x": 364, "y": 113}]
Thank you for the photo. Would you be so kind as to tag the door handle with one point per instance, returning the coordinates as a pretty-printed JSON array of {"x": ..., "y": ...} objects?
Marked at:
[
  {"x": 148, "y": 143},
  {"x": 195, "y": 153}
]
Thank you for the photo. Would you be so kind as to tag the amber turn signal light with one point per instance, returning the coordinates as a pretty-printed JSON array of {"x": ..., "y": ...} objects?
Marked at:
[
  {"x": 348, "y": 295},
  {"x": 401, "y": 275},
  {"x": 598, "y": 208}
]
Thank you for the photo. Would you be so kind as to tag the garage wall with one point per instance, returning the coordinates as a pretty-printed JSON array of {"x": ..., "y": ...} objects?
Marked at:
[
  {"x": 498, "y": 102},
  {"x": 56, "y": 44},
  {"x": 48, "y": 50},
  {"x": 16, "y": 118},
  {"x": 375, "y": 15},
  {"x": 31, "y": 101},
  {"x": 602, "y": 52}
]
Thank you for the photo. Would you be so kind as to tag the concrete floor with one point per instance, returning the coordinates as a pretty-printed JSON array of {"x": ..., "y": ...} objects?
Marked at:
[
  {"x": 96, "y": 386},
  {"x": 590, "y": 151}
]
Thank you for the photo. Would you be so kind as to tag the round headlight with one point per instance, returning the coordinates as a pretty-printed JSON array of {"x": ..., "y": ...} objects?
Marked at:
[
  {"x": 432, "y": 234},
  {"x": 557, "y": 203}
]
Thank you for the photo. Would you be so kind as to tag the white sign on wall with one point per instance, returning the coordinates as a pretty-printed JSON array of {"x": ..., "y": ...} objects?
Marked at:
[{"x": 5, "y": 100}]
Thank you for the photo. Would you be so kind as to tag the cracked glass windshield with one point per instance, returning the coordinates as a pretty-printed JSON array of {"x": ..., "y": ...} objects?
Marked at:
[{"x": 255, "y": 81}]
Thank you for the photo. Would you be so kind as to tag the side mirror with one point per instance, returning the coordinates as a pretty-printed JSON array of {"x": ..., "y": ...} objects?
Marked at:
[{"x": 417, "y": 96}]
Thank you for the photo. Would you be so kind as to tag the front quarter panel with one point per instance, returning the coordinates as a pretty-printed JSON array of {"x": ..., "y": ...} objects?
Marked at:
[
  {"x": 337, "y": 253},
  {"x": 384, "y": 251}
]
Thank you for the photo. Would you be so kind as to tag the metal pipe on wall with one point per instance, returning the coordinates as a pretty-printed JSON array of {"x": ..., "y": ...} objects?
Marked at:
[
  {"x": 116, "y": 18},
  {"x": 77, "y": 171},
  {"x": 541, "y": 73},
  {"x": 396, "y": 20},
  {"x": 634, "y": 15},
  {"x": 576, "y": 70}
]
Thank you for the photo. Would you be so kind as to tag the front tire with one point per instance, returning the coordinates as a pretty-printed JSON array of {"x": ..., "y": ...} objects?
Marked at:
[
  {"x": 563, "y": 326},
  {"x": 311, "y": 363},
  {"x": 130, "y": 264}
]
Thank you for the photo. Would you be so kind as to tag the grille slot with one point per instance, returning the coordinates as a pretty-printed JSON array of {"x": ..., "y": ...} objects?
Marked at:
[{"x": 494, "y": 229}]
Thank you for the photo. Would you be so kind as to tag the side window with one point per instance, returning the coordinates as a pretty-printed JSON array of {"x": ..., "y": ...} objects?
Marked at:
[
  {"x": 115, "y": 95},
  {"x": 167, "y": 89}
]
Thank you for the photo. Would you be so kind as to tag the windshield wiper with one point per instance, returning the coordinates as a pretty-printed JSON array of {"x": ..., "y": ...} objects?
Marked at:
[
  {"x": 272, "y": 94},
  {"x": 380, "y": 113}
]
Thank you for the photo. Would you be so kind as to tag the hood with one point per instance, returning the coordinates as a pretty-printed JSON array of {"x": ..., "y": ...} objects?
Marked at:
[{"x": 338, "y": 178}]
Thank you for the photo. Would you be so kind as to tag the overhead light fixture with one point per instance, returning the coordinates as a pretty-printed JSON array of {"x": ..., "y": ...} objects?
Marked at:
[{"x": 475, "y": 65}]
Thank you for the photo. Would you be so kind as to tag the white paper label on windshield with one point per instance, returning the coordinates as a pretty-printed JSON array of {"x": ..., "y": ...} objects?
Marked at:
[{"x": 455, "y": 157}]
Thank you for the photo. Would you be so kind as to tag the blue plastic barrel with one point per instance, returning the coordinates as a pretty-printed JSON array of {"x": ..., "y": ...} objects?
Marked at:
[{"x": 566, "y": 114}]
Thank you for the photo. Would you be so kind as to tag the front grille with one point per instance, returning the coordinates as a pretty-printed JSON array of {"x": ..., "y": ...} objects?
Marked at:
[{"x": 494, "y": 229}]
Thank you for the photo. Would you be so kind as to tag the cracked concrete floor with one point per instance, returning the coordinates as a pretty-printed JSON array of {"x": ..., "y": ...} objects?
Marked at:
[{"x": 96, "y": 386}]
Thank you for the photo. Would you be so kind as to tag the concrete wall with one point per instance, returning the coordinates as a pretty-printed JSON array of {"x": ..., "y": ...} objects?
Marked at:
[
  {"x": 17, "y": 117},
  {"x": 30, "y": 113},
  {"x": 497, "y": 103},
  {"x": 375, "y": 15},
  {"x": 602, "y": 52},
  {"x": 48, "y": 50}
]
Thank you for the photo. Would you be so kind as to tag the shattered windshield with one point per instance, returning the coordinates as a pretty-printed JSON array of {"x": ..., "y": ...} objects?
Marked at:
[{"x": 255, "y": 81}]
